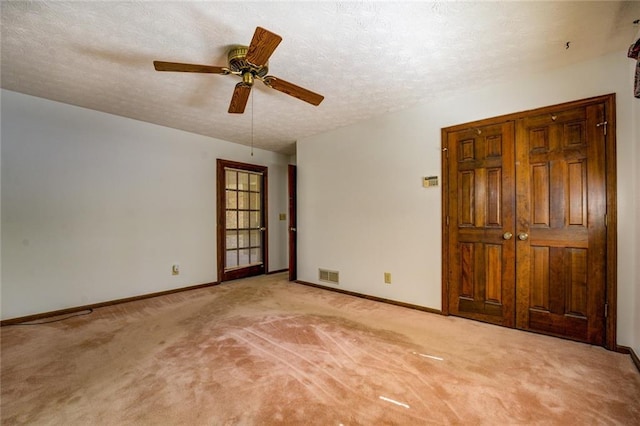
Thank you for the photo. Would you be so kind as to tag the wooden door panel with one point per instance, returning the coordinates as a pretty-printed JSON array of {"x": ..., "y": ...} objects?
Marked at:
[
  {"x": 540, "y": 197},
  {"x": 493, "y": 273},
  {"x": 558, "y": 280},
  {"x": 559, "y": 273},
  {"x": 577, "y": 193},
  {"x": 556, "y": 324},
  {"x": 466, "y": 198},
  {"x": 494, "y": 197},
  {"x": 575, "y": 263},
  {"x": 482, "y": 273},
  {"x": 540, "y": 279},
  {"x": 466, "y": 279},
  {"x": 481, "y": 280}
]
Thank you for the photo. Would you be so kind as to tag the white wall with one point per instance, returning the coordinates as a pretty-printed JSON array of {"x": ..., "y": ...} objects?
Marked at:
[
  {"x": 97, "y": 207},
  {"x": 362, "y": 209}
]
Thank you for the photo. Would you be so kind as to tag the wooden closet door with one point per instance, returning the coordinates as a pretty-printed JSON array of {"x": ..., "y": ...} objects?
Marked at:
[
  {"x": 560, "y": 231},
  {"x": 481, "y": 189},
  {"x": 554, "y": 169}
]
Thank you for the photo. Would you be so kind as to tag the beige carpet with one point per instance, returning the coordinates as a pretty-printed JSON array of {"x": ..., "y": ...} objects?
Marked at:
[{"x": 264, "y": 351}]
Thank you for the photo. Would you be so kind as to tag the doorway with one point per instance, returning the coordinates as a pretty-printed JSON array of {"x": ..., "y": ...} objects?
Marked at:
[
  {"x": 242, "y": 220},
  {"x": 293, "y": 230},
  {"x": 529, "y": 220}
]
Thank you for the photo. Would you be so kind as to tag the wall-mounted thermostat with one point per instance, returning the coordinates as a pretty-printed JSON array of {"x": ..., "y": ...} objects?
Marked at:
[{"x": 430, "y": 181}]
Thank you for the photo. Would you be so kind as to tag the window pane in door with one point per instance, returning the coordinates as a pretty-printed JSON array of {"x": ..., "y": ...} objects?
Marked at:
[
  {"x": 243, "y": 200},
  {"x": 243, "y": 257},
  {"x": 254, "y": 222},
  {"x": 243, "y": 181},
  {"x": 232, "y": 259},
  {"x": 232, "y": 219},
  {"x": 232, "y": 199},
  {"x": 231, "y": 179},
  {"x": 254, "y": 200},
  {"x": 243, "y": 239},
  {"x": 254, "y": 182},
  {"x": 243, "y": 220},
  {"x": 232, "y": 239},
  {"x": 256, "y": 255},
  {"x": 255, "y": 238}
]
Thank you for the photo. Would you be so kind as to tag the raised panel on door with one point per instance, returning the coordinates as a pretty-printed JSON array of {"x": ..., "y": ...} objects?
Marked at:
[
  {"x": 481, "y": 190},
  {"x": 561, "y": 210}
]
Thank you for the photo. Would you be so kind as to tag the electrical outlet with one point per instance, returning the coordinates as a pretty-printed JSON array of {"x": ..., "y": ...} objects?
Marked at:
[
  {"x": 387, "y": 277},
  {"x": 175, "y": 269}
]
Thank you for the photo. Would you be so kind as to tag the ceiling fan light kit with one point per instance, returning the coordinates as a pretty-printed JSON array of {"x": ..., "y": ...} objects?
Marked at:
[{"x": 250, "y": 63}]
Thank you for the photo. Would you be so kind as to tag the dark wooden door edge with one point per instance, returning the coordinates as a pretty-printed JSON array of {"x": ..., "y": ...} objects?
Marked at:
[
  {"x": 445, "y": 227},
  {"x": 611, "y": 281},
  {"x": 292, "y": 231},
  {"x": 612, "y": 225}
]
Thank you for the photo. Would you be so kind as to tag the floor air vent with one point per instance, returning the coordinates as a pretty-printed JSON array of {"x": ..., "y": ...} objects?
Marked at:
[{"x": 329, "y": 276}]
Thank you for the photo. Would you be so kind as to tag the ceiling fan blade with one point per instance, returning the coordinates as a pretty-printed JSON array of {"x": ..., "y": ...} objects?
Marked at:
[
  {"x": 293, "y": 90},
  {"x": 239, "y": 98},
  {"x": 263, "y": 44},
  {"x": 179, "y": 67}
]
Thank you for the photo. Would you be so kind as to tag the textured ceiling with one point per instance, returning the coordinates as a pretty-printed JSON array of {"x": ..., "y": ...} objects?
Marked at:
[{"x": 366, "y": 58}]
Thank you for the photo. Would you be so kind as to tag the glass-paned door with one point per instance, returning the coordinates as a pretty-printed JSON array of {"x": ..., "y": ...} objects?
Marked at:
[{"x": 243, "y": 220}]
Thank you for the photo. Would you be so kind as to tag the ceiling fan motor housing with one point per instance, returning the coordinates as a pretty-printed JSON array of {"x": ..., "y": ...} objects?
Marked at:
[{"x": 238, "y": 63}]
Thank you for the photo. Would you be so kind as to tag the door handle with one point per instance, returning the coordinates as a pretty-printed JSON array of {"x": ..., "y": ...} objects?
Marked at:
[
  {"x": 263, "y": 229},
  {"x": 523, "y": 236},
  {"x": 292, "y": 229},
  {"x": 507, "y": 235}
]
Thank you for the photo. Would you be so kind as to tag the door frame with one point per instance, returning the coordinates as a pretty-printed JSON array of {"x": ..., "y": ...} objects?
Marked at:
[
  {"x": 609, "y": 101},
  {"x": 221, "y": 219}
]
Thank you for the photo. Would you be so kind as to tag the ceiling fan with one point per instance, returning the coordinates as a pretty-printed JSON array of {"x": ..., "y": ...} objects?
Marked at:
[{"x": 250, "y": 63}]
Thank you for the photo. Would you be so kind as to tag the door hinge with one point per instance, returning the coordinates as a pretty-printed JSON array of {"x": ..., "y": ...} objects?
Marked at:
[
  {"x": 447, "y": 220},
  {"x": 606, "y": 310},
  {"x": 446, "y": 151},
  {"x": 606, "y": 220},
  {"x": 604, "y": 125}
]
